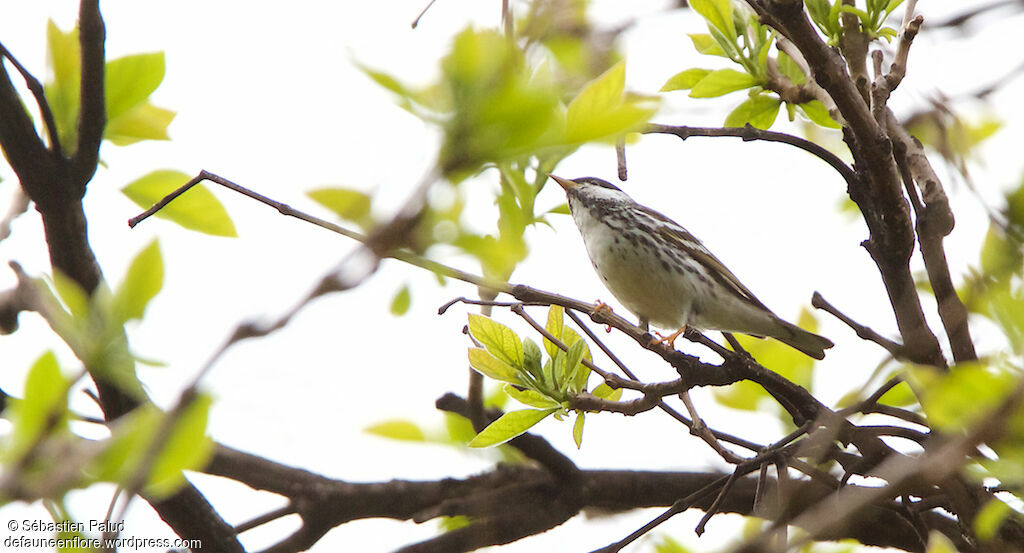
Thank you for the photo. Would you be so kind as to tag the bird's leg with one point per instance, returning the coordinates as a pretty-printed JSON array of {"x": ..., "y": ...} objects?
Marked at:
[{"x": 671, "y": 338}]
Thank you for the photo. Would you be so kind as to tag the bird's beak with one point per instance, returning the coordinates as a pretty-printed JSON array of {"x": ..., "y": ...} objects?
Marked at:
[{"x": 566, "y": 184}]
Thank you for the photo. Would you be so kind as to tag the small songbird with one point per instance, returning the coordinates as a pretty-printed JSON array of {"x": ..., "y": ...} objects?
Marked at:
[{"x": 664, "y": 275}]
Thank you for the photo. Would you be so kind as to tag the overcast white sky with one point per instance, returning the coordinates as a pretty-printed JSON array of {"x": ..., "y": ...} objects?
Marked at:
[{"x": 270, "y": 99}]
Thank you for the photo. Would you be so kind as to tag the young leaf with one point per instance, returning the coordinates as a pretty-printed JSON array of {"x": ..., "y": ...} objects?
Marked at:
[
  {"x": 605, "y": 391},
  {"x": 45, "y": 402},
  {"x": 577, "y": 429},
  {"x": 554, "y": 326},
  {"x": 573, "y": 362},
  {"x": 530, "y": 397},
  {"x": 722, "y": 82},
  {"x": 490, "y": 366},
  {"x": 401, "y": 430},
  {"x": 143, "y": 280},
  {"x": 198, "y": 209},
  {"x": 509, "y": 426},
  {"x": 401, "y": 302},
  {"x": 760, "y": 111},
  {"x": 351, "y": 205},
  {"x": 130, "y": 80},
  {"x": 718, "y": 14},
  {"x": 601, "y": 109},
  {"x": 685, "y": 80},
  {"x": 531, "y": 358},
  {"x": 818, "y": 113},
  {"x": 143, "y": 122},
  {"x": 497, "y": 338},
  {"x": 707, "y": 45},
  {"x": 187, "y": 448}
]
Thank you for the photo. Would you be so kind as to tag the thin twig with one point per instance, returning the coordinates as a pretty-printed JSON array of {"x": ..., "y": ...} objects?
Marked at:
[
  {"x": 748, "y": 133},
  {"x": 896, "y": 350}
]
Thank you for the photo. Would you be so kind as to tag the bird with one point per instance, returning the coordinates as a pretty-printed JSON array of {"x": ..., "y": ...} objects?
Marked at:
[{"x": 664, "y": 275}]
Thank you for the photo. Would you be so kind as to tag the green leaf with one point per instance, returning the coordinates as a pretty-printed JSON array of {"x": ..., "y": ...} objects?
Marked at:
[
  {"x": 965, "y": 396},
  {"x": 790, "y": 69},
  {"x": 601, "y": 109},
  {"x": 707, "y": 45},
  {"x": 64, "y": 91},
  {"x": 497, "y": 338},
  {"x": 554, "y": 327},
  {"x": 818, "y": 113},
  {"x": 490, "y": 366},
  {"x": 990, "y": 518},
  {"x": 759, "y": 111},
  {"x": 144, "y": 279},
  {"x": 561, "y": 209},
  {"x": 187, "y": 448},
  {"x": 718, "y": 14},
  {"x": 401, "y": 302},
  {"x": 130, "y": 80},
  {"x": 577, "y": 429},
  {"x": 198, "y": 209},
  {"x": 685, "y": 80},
  {"x": 44, "y": 404},
  {"x": 509, "y": 426},
  {"x": 72, "y": 295},
  {"x": 722, "y": 82},
  {"x": 1000, "y": 255},
  {"x": 531, "y": 398},
  {"x": 349, "y": 204},
  {"x": 531, "y": 358},
  {"x": 939, "y": 543},
  {"x": 143, "y": 122},
  {"x": 401, "y": 430},
  {"x": 605, "y": 391},
  {"x": 573, "y": 364}
]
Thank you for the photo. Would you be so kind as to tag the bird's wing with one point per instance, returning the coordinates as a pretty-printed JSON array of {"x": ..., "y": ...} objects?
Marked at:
[{"x": 676, "y": 234}]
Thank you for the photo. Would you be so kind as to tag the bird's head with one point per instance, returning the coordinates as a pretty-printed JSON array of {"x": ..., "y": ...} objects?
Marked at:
[{"x": 590, "y": 190}]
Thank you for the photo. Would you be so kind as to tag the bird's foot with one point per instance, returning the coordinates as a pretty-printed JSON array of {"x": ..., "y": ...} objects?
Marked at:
[
  {"x": 670, "y": 340},
  {"x": 605, "y": 310}
]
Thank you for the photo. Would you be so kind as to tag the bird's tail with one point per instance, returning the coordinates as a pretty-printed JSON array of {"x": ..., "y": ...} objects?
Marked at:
[{"x": 806, "y": 342}]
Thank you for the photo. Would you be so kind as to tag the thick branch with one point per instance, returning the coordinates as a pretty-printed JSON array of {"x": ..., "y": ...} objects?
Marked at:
[{"x": 878, "y": 194}]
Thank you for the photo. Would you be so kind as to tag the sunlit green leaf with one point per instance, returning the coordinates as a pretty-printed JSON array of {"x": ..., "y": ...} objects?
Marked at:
[
  {"x": 554, "y": 327},
  {"x": 605, "y": 391},
  {"x": 401, "y": 430},
  {"x": 718, "y": 14},
  {"x": 130, "y": 80},
  {"x": 143, "y": 122},
  {"x": 531, "y": 358},
  {"x": 818, "y": 113},
  {"x": 349, "y": 204},
  {"x": 759, "y": 111},
  {"x": 145, "y": 277},
  {"x": 964, "y": 396},
  {"x": 530, "y": 397},
  {"x": 490, "y": 366},
  {"x": 401, "y": 302},
  {"x": 577, "y": 429},
  {"x": 790, "y": 69},
  {"x": 939, "y": 543},
  {"x": 990, "y": 517},
  {"x": 187, "y": 448},
  {"x": 685, "y": 80},
  {"x": 198, "y": 209},
  {"x": 602, "y": 109},
  {"x": 722, "y": 82},
  {"x": 509, "y": 426},
  {"x": 44, "y": 405},
  {"x": 64, "y": 91},
  {"x": 497, "y": 338},
  {"x": 706, "y": 45}
]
